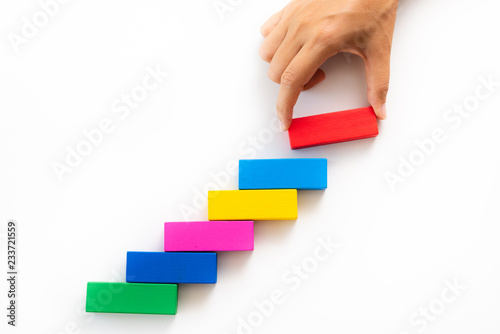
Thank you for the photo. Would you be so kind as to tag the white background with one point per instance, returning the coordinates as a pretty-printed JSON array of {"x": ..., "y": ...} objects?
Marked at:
[{"x": 396, "y": 248}]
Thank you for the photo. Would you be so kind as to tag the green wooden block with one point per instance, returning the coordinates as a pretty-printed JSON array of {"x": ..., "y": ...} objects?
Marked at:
[{"x": 131, "y": 298}]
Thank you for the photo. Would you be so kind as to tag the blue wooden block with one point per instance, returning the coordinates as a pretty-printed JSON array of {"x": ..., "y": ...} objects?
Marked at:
[
  {"x": 308, "y": 174},
  {"x": 171, "y": 267}
]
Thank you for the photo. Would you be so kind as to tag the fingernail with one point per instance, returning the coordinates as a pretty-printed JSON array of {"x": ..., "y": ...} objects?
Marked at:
[
  {"x": 383, "y": 112},
  {"x": 282, "y": 126}
]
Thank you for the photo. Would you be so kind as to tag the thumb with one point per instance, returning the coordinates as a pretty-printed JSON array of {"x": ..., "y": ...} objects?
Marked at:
[{"x": 377, "y": 78}]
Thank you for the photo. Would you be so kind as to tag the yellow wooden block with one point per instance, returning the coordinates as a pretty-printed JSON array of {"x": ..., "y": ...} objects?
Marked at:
[{"x": 275, "y": 204}]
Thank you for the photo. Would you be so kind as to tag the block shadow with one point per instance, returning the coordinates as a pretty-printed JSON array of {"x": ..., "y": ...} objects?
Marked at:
[
  {"x": 308, "y": 199},
  {"x": 192, "y": 296},
  {"x": 135, "y": 323}
]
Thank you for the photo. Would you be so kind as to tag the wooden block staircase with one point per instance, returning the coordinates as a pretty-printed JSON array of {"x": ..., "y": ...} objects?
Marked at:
[{"x": 267, "y": 191}]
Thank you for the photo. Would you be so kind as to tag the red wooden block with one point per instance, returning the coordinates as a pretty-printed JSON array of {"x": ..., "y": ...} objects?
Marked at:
[{"x": 334, "y": 127}]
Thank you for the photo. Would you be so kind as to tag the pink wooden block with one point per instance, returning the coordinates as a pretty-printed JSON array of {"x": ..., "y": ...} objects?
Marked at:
[{"x": 208, "y": 236}]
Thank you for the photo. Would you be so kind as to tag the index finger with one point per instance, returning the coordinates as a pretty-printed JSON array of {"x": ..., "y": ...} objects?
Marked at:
[{"x": 297, "y": 74}]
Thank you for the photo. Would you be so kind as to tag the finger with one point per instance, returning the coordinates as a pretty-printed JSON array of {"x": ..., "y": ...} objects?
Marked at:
[
  {"x": 377, "y": 67},
  {"x": 298, "y": 73},
  {"x": 269, "y": 25},
  {"x": 272, "y": 43},
  {"x": 316, "y": 79},
  {"x": 285, "y": 53}
]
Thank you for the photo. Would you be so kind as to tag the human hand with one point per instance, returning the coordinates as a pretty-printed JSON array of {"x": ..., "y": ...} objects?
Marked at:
[{"x": 304, "y": 34}]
